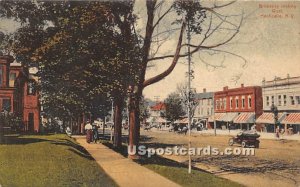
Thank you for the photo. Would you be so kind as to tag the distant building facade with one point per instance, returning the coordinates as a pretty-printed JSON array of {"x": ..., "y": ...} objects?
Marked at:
[
  {"x": 205, "y": 107},
  {"x": 237, "y": 107},
  {"x": 284, "y": 94},
  {"x": 158, "y": 110},
  {"x": 157, "y": 114},
  {"x": 18, "y": 93}
]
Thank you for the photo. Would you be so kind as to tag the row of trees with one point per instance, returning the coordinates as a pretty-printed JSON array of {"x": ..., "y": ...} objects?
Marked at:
[{"x": 88, "y": 52}]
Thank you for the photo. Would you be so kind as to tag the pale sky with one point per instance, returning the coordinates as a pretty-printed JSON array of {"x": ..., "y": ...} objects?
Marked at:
[{"x": 270, "y": 45}]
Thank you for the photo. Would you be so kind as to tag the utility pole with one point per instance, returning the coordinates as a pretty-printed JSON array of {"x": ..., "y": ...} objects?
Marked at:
[
  {"x": 189, "y": 94},
  {"x": 214, "y": 117}
]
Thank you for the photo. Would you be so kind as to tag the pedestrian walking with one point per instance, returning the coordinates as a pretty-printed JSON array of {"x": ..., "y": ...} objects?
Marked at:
[
  {"x": 89, "y": 132},
  {"x": 95, "y": 133},
  {"x": 68, "y": 131},
  {"x": 277, "y": 132}
]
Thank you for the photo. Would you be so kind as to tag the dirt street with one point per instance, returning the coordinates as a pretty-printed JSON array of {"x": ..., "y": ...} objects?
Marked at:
[{"x": 276, "y": 162}]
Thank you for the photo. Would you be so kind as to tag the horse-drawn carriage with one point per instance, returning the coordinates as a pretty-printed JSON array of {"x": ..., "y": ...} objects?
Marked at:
[{"x": 245, "y": 139}]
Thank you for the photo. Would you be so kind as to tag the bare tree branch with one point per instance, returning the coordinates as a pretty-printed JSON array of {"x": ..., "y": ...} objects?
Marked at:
[
  {"x": 161, "y": 17},
  {"x": 221, "y": 6},
  {"x": 174, "y": 62},
  {"x": 200, "y": 46}
]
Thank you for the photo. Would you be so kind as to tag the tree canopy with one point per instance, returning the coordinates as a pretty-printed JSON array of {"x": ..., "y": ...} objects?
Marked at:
[
  {"x": 80, "y": 50},
  {"x": 174, "y": 107}
]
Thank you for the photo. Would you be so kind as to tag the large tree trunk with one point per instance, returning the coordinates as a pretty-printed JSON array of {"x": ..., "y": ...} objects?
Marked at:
[
  {"x": 82, "y": 131},
  {"x": 78, "y": 125},
  {"x": 134, "y": 123},
  {"x": 118, "y": 123}
]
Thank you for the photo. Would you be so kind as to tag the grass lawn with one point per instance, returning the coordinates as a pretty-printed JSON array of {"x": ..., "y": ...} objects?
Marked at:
[
  {"x": 48, "y": 160},
  {"x": 178, "y": 172}
]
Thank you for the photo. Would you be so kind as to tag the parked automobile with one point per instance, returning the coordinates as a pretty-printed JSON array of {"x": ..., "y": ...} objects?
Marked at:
[{"x": 245, "y": 139}]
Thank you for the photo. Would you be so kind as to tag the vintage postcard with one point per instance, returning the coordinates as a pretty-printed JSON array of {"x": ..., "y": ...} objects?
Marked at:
[{"x": 137, "y": 93}]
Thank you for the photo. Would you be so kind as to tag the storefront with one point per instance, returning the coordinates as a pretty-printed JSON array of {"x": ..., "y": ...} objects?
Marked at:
[
  {"x": 265, "y": 122},
  {"x": 292, "y": 123},
  {"x": 244, "y": 120}
]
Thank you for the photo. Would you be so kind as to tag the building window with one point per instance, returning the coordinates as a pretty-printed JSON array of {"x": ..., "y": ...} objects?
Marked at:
[
  {"x": 272, "y": 98},
  {"x": 267, "y": 101},
  {"x": 221, "y": 103},
  {"x": 231, "y": 102},
  {"x": 249, "y": 101},
  {"x": 236, "y": 102},
  {"x": 207, "y": 111},
  {"x": 298, "y": 100},
  {"x": 279, "y": 100},
  {"x": 224, "y": 103},
  {"x": 292, "y": 100},
  {"x": 284, "y": 100},
  {"x": 243, "y": 102},
  {"x": 31, "y": 88},
  {"x": 6, "y": 105},
  {"x": 12, "y": 78}
]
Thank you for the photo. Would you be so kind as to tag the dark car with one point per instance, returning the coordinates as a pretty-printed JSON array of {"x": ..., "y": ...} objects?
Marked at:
[{"x": 245, "y": 139}]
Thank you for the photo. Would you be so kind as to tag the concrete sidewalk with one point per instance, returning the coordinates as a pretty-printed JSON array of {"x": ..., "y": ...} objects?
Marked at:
[{"x": 122, "y": 170}]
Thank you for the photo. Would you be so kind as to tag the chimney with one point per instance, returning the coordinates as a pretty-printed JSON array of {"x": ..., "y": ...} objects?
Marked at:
[
  {"x": 204, "y": 90},
  {"x": 242, "y": 85},
  {"x": 225, "y": 88}
]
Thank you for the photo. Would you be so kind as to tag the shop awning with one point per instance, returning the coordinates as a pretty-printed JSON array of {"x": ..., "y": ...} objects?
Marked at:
[
  {"x": 229, "y": 117},
  {"x": 268, "y": 118},
  {"x": 246, "y": 117},
  {"x": 216, "y": 116},
  {"x": 292, "y": 118}
]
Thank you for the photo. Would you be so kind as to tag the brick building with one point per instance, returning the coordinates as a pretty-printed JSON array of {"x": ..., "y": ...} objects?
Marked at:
[
  {"x": 18, "y": 93},
  {"x": 237, "y": 107}
]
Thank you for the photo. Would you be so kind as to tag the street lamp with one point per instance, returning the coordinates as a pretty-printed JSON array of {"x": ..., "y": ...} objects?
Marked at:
[{"x": 275, "y": 112}]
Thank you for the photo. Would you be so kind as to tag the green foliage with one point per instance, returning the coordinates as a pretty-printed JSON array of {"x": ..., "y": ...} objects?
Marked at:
[
  {"x": 193, "y": 12},
  {"x": 174, "y": 109},
  {"x": 10, "y": 120},
  {"x": 85, "y": 52},
  {"x": 144, "y": 111}
]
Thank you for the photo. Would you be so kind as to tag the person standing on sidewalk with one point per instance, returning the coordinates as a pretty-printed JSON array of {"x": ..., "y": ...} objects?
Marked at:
[
  {"x": 95, "y": 133},
  {"x": 89, "y": 132}
]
